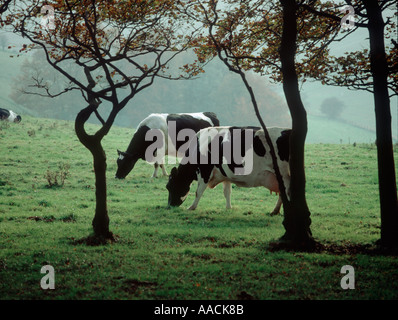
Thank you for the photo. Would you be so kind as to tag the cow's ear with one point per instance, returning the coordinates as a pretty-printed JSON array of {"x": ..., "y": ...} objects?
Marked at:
[
  {"x": 119, "y": 152},
  {"x": 173, "y": 172}
]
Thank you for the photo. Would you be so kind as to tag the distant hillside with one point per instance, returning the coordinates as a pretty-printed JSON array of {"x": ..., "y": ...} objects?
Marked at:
[
  {"x": 217, "y": 91},
  {"x": 324, "y": 130},
  {"x": 10, "y": 67}
]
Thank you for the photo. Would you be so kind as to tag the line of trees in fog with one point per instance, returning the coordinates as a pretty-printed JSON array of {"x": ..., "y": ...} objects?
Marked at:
[{"x": 218, "y": 91}]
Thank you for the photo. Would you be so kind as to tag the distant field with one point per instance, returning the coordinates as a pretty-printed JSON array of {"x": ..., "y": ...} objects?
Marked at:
[
  {"x": 211, "y": 253},
  {"x": 324, "y": 130}
]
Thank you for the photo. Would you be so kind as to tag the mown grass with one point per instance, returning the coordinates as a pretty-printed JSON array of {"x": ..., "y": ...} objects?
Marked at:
[{"x": 211, "y": 253}]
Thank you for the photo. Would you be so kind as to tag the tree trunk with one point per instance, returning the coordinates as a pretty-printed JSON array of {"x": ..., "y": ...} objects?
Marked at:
[
  {"x": 385, "y": 155},
  {"x": 101, "y": 219},
  {"x": 93, "y": 144},
  {"x": 296, "y": 213}
]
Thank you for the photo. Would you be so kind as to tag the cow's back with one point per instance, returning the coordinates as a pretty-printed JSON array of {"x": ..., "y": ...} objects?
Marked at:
[
  {"x": 155, "y": 121},
  {"x": 4, "y": 113},
  {"x": 194, "y": 121},
  {"x": 213, "y": 117}
]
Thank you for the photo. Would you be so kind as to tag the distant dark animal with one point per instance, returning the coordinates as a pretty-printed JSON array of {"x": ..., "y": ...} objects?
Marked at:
[
  {"x": 170, "y": 125},
  {"x": 238, "y": 155},
  {"x": 9, "y": 115}
]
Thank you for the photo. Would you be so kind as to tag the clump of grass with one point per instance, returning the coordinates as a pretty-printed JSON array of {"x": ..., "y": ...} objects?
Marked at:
[
  {"x": 57, "y": 178},
  {"x": 68, "y": 218},
  {"x": 44, "y": 203}
]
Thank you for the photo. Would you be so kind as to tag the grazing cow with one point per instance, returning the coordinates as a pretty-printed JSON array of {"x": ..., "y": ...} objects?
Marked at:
[
  {"x": 9, "y": 115},
  {"x": 165, "y": 123},
  {"x": 212, "y": 163}
]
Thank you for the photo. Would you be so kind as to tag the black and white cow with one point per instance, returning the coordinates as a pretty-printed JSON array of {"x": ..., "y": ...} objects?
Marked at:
[
  {"x": 238, "y": 155},
  {"x": 165, "y": 123},
  {"x": 9, "y": 115}
]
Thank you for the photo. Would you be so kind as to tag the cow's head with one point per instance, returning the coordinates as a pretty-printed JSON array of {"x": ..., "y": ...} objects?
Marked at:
[
  {"x": 178, "y": 187},
  {"x": 17, "y": 119},
  {"x": 125, "y": 163}
]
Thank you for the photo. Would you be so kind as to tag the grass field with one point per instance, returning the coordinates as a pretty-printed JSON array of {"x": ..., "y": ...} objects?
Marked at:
[{"x": 211, "y": 253}]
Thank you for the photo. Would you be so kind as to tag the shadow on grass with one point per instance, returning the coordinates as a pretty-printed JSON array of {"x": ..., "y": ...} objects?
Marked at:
[
  {"x": 343, "y": 248},
  {"x": 94, "y": 240}
]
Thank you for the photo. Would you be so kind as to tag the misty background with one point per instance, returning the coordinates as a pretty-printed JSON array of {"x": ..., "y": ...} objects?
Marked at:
[{"x": 335, "y": 115}]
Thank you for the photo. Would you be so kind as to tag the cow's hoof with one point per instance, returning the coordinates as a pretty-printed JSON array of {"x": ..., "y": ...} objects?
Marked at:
[{"x": 274, "y": 213}]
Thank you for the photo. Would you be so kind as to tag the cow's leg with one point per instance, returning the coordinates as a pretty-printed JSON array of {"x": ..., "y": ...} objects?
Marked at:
[
  {"x": 155, "y": 172},
  {"x": 277, "y": 208},
  {"x": 199, "y": 192},
  {"x": 163, "y": 170},
  {"x": 227, "y": 186}
]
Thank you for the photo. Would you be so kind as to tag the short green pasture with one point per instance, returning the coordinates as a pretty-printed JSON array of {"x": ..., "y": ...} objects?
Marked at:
[{"x": 210, "y": 253}]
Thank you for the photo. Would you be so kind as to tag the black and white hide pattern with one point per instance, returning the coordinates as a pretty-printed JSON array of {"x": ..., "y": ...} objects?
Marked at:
[
  {"x": 171, "y": 127},
  {"x": 9, "y": 115},
  {"x": 238, "y": 155}
]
